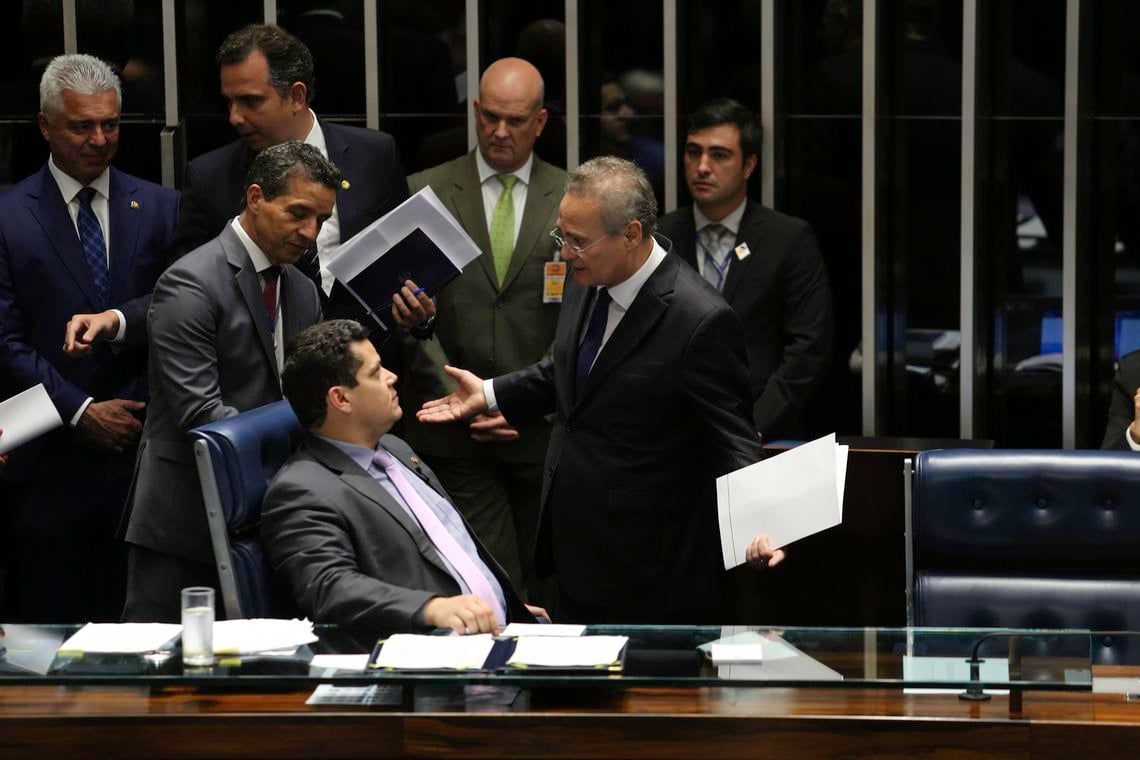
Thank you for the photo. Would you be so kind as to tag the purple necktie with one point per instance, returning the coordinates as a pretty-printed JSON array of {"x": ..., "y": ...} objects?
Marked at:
[{"x": 436, "y": 531}]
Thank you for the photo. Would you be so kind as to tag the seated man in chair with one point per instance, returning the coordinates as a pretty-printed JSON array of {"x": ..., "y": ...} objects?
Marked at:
[{"x": 356, "y": 526}]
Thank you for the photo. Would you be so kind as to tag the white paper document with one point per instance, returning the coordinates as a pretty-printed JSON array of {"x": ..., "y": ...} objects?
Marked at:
[
  {"x": 543, "y": 629},
  {"x": 121, "y": 638},
  {"x": 790, "y": 496},
  {"x": 742, "y": 654},
  {"x": 583, "y": 652},
  {"x": 408, "y": 651},
  {"x": 780, "y": 660},
  {"x": 261, "y": 635},
  {"x": 25, "y": 416}
]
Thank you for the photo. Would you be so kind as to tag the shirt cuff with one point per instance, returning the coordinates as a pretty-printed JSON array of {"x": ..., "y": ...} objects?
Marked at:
[
  {"x": 489, "y": 394},
  {"x": 121, "y": 335},
  {"x": 87, "y": 403},
  {"x": 1128, "y": 437}
]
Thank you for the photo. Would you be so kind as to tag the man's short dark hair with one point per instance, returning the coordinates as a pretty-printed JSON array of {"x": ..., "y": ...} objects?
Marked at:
[
  {"x": 728, "y": 111},
  {"x": 288, "y": 58},
  {"x": 319, "y": 358},
  {"x": 273, "y": 167}
]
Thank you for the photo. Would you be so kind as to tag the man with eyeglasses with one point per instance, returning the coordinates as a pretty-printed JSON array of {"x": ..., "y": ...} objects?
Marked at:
[
  {"x": 648, "y": 384},
  {"x": 497, "y": 316}
]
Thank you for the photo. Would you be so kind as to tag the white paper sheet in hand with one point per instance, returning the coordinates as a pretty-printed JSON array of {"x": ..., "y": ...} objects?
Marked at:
[
  {"x": 788, "y": 497},
  {"x": 25, "y": 416}
]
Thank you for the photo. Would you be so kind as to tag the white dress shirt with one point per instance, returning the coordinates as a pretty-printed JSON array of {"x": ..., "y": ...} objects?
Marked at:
[
  {"x": 730, "y": 222},
  {"x": 621, "y": 298},
  {"x": 492, "y": 188},
  {"x": 328, "y": 240},
  {"x": 69, "y": 188},
  {"x": 261, "y": 262}
]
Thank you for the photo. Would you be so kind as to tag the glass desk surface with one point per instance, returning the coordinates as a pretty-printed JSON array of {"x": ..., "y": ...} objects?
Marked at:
[{"x": 921, "y": 658}]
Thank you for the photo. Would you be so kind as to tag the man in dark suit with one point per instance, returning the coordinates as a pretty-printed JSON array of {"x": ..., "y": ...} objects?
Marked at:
[
  {"x": 765, "y": 264},
  {"x": 648, "y": 386},
  {"x": 1123, "y": 430},
  {"x": 77, "y": 237},
  {"x": 267, "y": 79},
  {"x": 494, "y": 318},
  {"x": 219, "y": 320},
  {"x": 356, "y": 525}
]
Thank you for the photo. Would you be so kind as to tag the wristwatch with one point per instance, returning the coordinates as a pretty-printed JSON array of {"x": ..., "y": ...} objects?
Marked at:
[{"x": 424, "y": 330}]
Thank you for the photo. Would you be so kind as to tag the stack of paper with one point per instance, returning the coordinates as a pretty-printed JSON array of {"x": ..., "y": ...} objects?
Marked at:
[
  {"x": 584, "y": 652},
  {"x": 788, "y": 497},
  {"x": 261, "y": 635},
  {"x": 406, "y": 651},
  {"x": 121, "y": 638}
]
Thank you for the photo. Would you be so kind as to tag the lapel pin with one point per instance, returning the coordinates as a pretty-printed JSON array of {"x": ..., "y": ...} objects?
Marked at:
[
  {"x": 344, "y": 184},
  {"x": 134, "y": 205},
  {"x": 742, "y": 251},
  {"x": 415, "y": 459}
]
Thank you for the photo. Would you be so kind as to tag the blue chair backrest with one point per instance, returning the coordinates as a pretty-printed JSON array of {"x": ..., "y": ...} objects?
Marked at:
[
  {"x": 237, "y": 457},
  {"x": 1029, "y": 539}
]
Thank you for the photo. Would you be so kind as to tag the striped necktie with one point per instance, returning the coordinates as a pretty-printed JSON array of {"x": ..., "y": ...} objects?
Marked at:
[
  {"x": 715, "y": 252},
  {"x": 94, "y": 248}
]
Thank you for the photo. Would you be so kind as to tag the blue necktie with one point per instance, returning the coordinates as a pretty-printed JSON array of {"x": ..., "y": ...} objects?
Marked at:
[
  {"x": 94, "y": 249},
  {"x": 592, "y": 342}
]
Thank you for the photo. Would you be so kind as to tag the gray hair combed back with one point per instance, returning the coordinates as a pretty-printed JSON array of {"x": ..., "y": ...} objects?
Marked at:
[
  {"x": 621, "y": 188},
  {"x": 77, "y": 72},
  {"x": 273, "y": 167}
]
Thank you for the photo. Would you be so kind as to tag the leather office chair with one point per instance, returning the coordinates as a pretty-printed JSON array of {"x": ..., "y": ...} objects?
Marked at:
[
  {"x": 236, "y": 458},
  {"x": 1027, "y": 539}
]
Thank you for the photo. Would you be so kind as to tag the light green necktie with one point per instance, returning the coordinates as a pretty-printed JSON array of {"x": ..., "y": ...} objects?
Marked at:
[{"x": 503, "y": 227}]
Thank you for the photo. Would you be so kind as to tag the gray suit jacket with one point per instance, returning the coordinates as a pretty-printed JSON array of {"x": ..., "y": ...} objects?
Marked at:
[
  {"x": 348, "y": 553},
  {"x": 481, "y": 327},
  {"x": 211, "y": 357}
]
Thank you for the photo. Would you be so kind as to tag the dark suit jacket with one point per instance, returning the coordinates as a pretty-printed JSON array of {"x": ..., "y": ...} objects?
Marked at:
[
  {"x": 782, "y": 296},
  {"x": 1121, "y": 410},
  {"x": 629, "y": 500},
  {"x": 481, "y": 327},
  {"x": 211, "y": 357},
  {"x": 44, "y": 280},
  {"x": 347, "y": 552}
]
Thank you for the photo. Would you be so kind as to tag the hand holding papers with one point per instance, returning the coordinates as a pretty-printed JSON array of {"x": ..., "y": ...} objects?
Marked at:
[
  {"x": 788, "y": 497},
  {"x": 26, "y": 416},
  {"x": 418, "y": 240}
]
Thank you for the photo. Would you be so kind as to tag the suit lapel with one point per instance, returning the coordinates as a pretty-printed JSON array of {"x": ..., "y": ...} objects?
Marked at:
[
  {"x": 750, "y": 229},
  {"x": 293, "y": 283},
  {"x": 647, "y": 308},
  {"x": 540, "y": 197},
  {"x": 245, "y": 280},
  {"x": 347, "y": 205},
  {"x": 50, "y": 212},
  {"x": 124, "y": 222},
  {"x": 467, "y": 200}
]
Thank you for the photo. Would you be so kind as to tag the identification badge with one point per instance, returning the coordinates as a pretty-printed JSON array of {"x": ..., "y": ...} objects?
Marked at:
[{"x": 553, "y": 281}]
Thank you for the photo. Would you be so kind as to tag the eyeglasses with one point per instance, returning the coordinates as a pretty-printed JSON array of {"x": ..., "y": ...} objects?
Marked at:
[{"x": 577, "y": 250}]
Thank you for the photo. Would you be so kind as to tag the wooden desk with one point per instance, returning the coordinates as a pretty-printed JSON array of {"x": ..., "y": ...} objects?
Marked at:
[{"x": 132, "y": 722}]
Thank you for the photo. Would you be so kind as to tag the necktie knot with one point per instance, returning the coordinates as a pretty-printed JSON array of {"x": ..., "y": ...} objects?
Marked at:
[
  {"x": 85, "y": 196},
  {"x": 508, "y": 182},
  {"x": 383, "y": 459},
  {"x": 604, "y": 299},
  {"x": 271, "y": 274}
]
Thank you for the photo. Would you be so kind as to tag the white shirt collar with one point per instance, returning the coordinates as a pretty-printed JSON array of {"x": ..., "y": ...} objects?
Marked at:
[
  {"x": 316, "y": 136},
  {"x": 486, "y": 171},
  {"x": 731, "y": 222},
  {"x": 70, "y": 187},
  {"x": 260, "y": 261},
  {"x": 624, "y": 292}
]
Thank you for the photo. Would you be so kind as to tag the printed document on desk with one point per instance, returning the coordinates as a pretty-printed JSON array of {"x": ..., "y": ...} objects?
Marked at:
[
  {"x": 790, "y": 496},
  {"x": 419, "y": 240},
  {"x": 25, "y": 416}
]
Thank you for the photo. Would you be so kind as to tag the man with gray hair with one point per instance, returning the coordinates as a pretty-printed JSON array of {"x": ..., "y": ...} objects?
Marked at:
[
  {"x": 78, "y": 237},
  {"x": 648, "y": 384},
  {"x": 219, "y": 320}
]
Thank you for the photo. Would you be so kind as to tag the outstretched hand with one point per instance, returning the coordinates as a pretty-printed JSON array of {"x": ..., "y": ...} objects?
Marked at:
[
  {"x": 464, "y": 402},
  {"x": 84, "y": 330}
]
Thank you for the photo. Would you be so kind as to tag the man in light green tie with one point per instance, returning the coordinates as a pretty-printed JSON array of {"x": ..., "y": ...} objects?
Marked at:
[{"x": 496, "y": 317}]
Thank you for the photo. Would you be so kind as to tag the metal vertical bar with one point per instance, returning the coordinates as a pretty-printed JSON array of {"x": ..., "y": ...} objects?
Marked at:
[
  {"x": 1069, "y": 229},
  {"x": 371, "y": 65},
  {"x": 269, "y": 12},
  {"x": 768, "y": 102},
  {"x": 70, "y": 33},
  {"x": 573, "y": 101},
  {"x": 967, "y": 366},
  {"x": 472, "y": 68},
  {"x": 908, "y": 536},
  {"x": 670, "y": 63},
  {"x": 870, "y": 328},
  {"x": 172, "y": 116}
]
